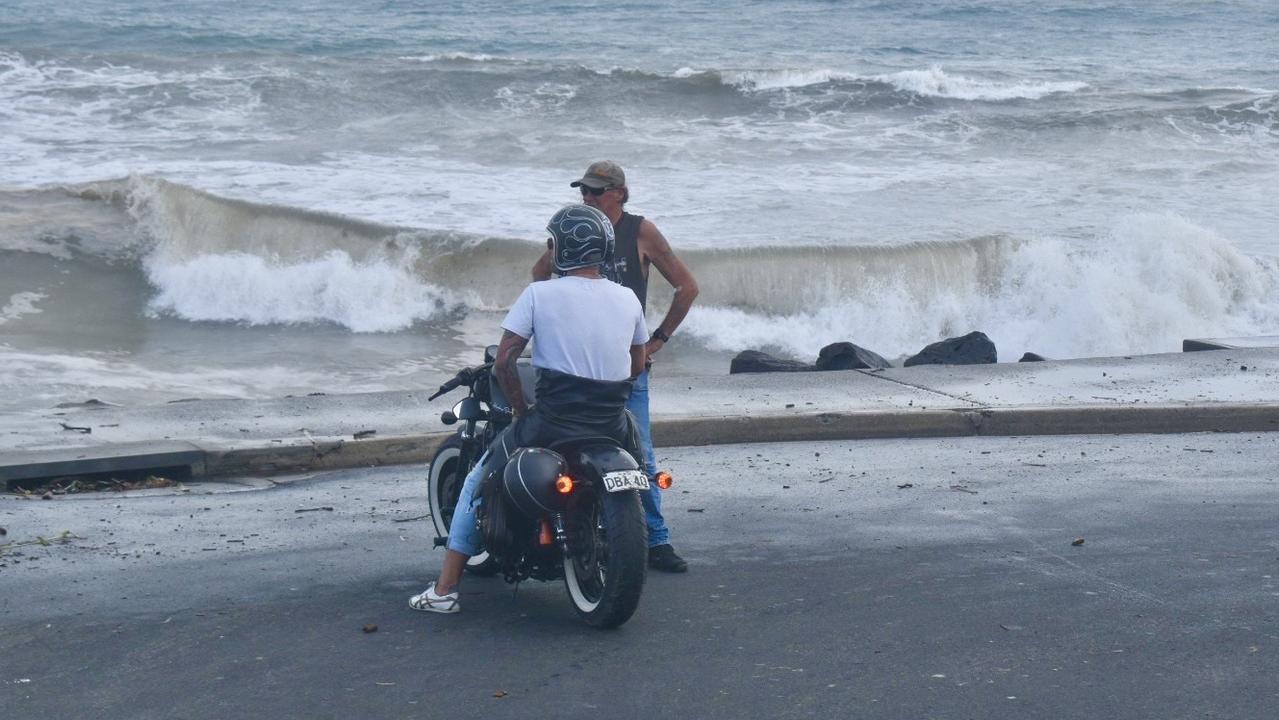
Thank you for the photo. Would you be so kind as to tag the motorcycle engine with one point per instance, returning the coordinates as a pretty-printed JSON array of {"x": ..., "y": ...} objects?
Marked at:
[{"x": 499, "y": 523}]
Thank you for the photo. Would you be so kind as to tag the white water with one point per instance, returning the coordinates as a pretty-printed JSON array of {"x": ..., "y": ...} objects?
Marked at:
[
  {"x": 23, "y": 303},
  {"x": 377, "y": 295},
  {"x": 1142, "y": 288},
  {"x": 934, "y": 82},
  {"x": 1145, "y": 285}
]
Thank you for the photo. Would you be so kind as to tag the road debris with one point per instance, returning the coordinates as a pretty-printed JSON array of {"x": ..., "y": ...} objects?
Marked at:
[
  {"x": 63, "y": 538},
  {"x": 46, "y": 489},
  {"x": 419, "y": 517}
]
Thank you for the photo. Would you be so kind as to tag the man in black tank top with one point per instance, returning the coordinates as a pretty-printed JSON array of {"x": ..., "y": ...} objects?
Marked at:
[{"x": 639, "y": 245}]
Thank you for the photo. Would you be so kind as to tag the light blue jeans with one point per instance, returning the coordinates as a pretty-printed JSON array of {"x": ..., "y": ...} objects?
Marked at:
[
  {"x": 652, "y": 498},
  {"x": 464, "y": 535}
]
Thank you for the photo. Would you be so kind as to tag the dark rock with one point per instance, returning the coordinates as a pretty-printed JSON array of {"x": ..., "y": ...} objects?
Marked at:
[
  {"x": 754, "y": 361},
  {"x": 847, "y": 356},
  {"x": 1032, "y": 357},
  {"x": 972, "y": 349}
]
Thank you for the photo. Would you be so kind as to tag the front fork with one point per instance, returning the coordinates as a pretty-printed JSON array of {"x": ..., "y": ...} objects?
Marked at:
[
  {"x": 469, "y": 452},
  {"x": 465, "y": 453},
  {"x": 468, "y": 431}
]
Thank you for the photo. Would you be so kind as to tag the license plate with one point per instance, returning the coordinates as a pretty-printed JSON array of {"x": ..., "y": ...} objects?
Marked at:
[{"x": 620, "y": 480}]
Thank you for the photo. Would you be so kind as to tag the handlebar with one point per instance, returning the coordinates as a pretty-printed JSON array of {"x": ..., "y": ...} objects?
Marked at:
[{"x": 465, "y": 376}]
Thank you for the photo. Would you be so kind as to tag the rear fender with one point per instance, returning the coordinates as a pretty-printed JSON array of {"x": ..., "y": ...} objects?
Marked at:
[{"x": 590, "y": 462}]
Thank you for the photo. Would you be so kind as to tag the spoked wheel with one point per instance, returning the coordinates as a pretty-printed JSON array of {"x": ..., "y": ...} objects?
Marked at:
[
  {"x": 445, "y": 479},
  {"x": 606, "y": 560}
]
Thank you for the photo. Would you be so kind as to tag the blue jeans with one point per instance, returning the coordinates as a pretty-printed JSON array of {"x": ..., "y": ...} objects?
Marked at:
[
  {"x": 464, "y": 535},
  {"x": 652, "y": 498}
]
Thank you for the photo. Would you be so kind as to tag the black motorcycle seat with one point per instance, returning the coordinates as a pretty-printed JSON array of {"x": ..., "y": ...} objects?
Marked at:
[
  {"x": 566, "y": 445},
  {"x": 571, "y": 412}
]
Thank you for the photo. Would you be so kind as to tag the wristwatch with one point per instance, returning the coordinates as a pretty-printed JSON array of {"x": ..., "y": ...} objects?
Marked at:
[{"x": 659, "y": 334}]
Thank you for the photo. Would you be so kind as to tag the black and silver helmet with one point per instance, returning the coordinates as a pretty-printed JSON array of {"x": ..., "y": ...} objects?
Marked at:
[{"x": 581, "y": 236}]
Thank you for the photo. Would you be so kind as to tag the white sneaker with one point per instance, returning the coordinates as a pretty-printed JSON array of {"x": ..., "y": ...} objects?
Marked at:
[{"x": 428, "y": 601}]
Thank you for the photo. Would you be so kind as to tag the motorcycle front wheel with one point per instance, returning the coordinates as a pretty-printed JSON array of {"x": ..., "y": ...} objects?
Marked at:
[
  {"x": 607, "y": 556},
  {"x": 444, "y": 480}
]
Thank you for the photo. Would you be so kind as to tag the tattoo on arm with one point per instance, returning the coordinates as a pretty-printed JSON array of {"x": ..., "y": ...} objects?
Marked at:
[{"x": 508, "y": 352}]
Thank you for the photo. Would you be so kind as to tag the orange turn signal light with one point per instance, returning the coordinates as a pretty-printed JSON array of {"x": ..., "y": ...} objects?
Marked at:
[
  {"x": 664, "y": 480},
  {"x": 564, "y": 484}
]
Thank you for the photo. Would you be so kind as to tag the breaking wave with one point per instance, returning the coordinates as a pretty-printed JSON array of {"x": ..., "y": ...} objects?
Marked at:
[
  {"x": 1150, "y": 282},
  {"x": 933, "y": 82}
]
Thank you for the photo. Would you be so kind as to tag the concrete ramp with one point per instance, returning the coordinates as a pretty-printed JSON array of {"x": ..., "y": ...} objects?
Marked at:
[
  {"x": 1260, "y": 341},
  {"x": 1225, "y": 390}
]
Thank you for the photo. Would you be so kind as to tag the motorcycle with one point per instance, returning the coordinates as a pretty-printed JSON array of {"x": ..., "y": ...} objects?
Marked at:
[{"x": 570, "y": 510}]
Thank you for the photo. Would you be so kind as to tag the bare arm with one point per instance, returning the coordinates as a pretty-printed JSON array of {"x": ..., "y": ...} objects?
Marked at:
[
  {"x": 508, "y": 351},
  {"x": 639, "y": 357},
  {"x": 659, "y": 252},
  {"x": 542, "y": 268}
]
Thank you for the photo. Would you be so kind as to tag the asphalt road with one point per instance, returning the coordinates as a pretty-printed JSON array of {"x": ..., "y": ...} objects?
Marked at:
[{"x": 872, "y": 579}]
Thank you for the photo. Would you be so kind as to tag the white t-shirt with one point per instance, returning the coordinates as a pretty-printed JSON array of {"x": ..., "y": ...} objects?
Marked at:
[{"x": 581, "y": 326}]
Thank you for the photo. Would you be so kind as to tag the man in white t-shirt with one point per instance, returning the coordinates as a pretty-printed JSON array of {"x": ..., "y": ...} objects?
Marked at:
[{"x": 588, "y": 344}]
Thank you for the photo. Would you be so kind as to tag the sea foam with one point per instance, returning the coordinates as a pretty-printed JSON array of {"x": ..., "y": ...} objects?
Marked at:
[
  {"x": 47, "y": 377},
  {"x": 934, "y": 82},
  {"x": 378, "y": 295},
  {"x": 23, "y": 303},
  {"x": 211, "y": 258},
  {"x": 1151, "y": 282},
  {"x": 928, "y": 82}
]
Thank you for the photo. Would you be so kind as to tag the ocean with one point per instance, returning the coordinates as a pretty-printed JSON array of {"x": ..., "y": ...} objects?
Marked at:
[{"x": 208, "y": 199}]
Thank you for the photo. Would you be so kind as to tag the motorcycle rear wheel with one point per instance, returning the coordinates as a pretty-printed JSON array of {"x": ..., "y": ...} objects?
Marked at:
[
  {"x": 606, "y": 562},
  {"x": 444, "y": 480}
]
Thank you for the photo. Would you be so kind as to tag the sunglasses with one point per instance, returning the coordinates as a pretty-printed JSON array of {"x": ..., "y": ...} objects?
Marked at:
[{"x": 595, "y": 192}]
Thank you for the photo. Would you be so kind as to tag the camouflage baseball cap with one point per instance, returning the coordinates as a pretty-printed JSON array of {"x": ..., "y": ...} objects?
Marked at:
[{"x": 602, "y": 174}]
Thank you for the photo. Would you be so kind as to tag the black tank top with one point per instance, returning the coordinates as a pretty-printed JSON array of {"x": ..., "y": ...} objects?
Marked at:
[{"x": 627, "y": 269}]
